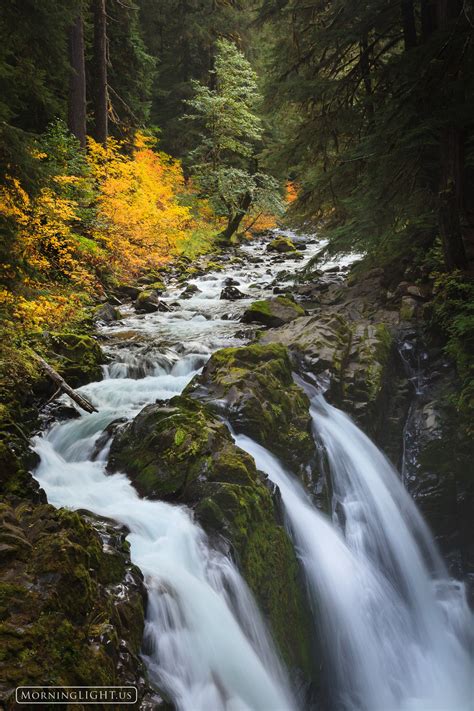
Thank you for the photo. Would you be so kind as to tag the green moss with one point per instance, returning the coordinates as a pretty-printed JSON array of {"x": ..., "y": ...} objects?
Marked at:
[
  {"x": 78, "y": 358},
  {"x": 159, "y": 286},
  {"x": 60, "y": 622},
  {"x": 281, "y": 244},
  {"x": 257, "y": 381},
  {"x": 183, "y": 452}
]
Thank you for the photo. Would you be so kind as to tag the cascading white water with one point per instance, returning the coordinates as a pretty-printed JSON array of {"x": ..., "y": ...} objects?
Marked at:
[
  {"x": 398, "y": 637},
  {"x": 205, "y": 642}
]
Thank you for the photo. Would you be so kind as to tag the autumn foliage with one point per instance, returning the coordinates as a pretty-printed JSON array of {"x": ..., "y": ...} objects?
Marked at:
[{"x": 99, "y": 217}]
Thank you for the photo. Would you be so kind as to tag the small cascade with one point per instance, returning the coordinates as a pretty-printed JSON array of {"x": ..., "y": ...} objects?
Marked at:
[
  {"x": 397, "y": 630},
  {"x": 205, "y": 642}
]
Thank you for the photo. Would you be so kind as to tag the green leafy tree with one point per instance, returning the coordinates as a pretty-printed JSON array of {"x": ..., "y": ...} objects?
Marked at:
[{"x": 225, "y": 163}]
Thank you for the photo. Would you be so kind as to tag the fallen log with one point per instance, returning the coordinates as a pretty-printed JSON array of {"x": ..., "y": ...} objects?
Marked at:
[{"x": 80, "y": 400}]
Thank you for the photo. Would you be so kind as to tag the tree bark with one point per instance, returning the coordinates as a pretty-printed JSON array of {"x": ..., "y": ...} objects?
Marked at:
[
  {"x": 427, "y": 19},
  {"x": 77, "y": 82},
  {"x": 365, "y": 70},
  {"x": 80, "y": 400},
  {"x": 235, "y": 220},
  {"x": 451, "y": 190},
  {"x": 450, "y": 200},
  {"x": 408, "y": 24},
  {"x": 101, "y": 98}
]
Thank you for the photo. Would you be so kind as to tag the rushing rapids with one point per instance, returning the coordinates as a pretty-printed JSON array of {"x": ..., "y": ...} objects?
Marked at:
[{"x": 395, "y": 628}]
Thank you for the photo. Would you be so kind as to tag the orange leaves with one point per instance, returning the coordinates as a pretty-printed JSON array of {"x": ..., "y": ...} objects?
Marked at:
[{"x": 291, "y": 192}]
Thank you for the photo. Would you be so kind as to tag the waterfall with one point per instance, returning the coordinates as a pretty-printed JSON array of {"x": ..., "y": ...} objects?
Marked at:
[
  {"x": 205, "y": 642},
  {"x": 396, "y": 629}
]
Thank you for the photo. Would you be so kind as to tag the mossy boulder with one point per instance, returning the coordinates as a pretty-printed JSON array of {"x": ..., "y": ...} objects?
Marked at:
[
  {"x": 15, "y": 481},
  {"x": 355, "y": 357},
  {"x": 147, "y": 302},
  {"x": 127, "y": 291},
  {"x": 281, "y": 245},
  {"x": 78, "y": 358},
  {"x": 180, "y": 451},
  {"x": 71, "y": 610},
  {"x": 273, "y": 312},
  {"x": 107, "y": 313},
  {"x": 254, "y": 385}
]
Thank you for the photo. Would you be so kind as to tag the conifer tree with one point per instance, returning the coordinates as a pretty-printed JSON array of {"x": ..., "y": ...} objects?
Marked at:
[{"x": 225, "y": 161}]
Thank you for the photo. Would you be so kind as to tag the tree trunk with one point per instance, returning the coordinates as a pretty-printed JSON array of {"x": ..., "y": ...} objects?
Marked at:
[
  {"x": 408, "y": 24},
  {"x": 80, "y": 400},
  {"x": 365, "y": 71},
  {"x": 427, "y": 19},
  {"x": 101, "y": 98},
  {"x": 450, "y": 200},
  {"x": 77, "y": 82},
  {"x": 451, "y": 190},
  {"x": 235, "y": 220}
]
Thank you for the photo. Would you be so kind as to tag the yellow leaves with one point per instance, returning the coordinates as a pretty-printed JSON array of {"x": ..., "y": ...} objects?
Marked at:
[
  {"x": 120, "y": 215},
  {"x": 48, "y": 311},
  {"x": 140, "y": 220}
]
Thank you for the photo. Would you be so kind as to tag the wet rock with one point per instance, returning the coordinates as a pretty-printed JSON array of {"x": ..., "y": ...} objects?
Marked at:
[
  {"x": 190, "y": 291},
  {"x": 106, "y": 313},
  {"x": 272, "y": 312},
  {"x": 231, "y": 293},
  {"x": 62, "y": 592},
  {"x": 147, "y": 302},
  {"x": 281, "y": 245},
  {"x": 165, "y": 307},
  {"x": 353, "y": 356},
  {"x": 78, "y": 358},
  {"x": 127, "y": 291},
  {"x": 231, "y": 282},
  {"x": 408, "y": 308},
  {"x": 254, "y": 386},
  {"x": 180, "y": 451}
]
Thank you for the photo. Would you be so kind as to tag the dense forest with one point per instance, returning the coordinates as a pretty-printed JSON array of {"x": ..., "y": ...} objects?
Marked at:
[{"x": 148, "y": 146}]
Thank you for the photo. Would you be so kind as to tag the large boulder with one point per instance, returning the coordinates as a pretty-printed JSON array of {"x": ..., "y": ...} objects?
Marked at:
[
  {"x": 127, "y": 291},
  {"x": 273, "y": 312},
  {"x": 78, "y": 358},
  {"x": 281, "y": 245},
  {"x": 179, "y": 451},
  {"x": 71, "y": 602},
  {"x": 254, "y": 385},
  {"x": 231, "y": 293},
  {"x": 355, "y": 357},
  {"x": 147, "y": 302},
  {"x": 107, "y": 313}
]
